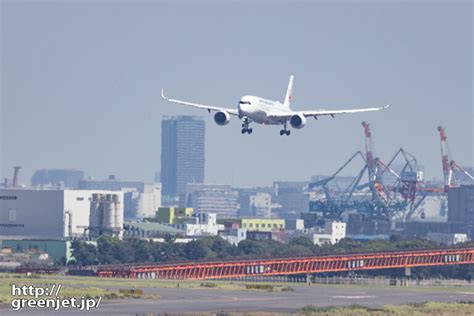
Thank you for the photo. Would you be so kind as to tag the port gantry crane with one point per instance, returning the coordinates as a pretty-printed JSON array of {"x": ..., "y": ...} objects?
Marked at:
[{"x": 387, "y": 193}]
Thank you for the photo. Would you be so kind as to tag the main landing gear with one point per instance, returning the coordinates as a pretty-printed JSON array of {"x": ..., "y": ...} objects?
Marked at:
[
  {"x": 245, "y": 126},
  {"x": 285, "y": 131}
]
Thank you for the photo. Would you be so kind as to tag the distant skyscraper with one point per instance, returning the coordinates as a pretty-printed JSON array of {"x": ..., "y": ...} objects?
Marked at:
[
  {"x": 292, "y": 197},
  {"x": 219, "y": 199},
  {"x": 256, "y": 202},
  {"x": 182, "y": 153}
]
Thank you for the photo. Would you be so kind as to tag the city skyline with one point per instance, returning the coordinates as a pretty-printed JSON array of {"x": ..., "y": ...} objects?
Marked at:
[{"x": 81, "y": 89}]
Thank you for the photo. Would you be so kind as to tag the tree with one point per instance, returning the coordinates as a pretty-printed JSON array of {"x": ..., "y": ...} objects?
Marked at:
[
  {"x": 142, "y": 250},
  {"x": 302, "y": 241},
  {"x": 198, "y": 249},
  {"x": 251, "y": 248},
  {"x": 105, "y": 247},
  {"x": 84, "y": 253},
  {"x": 295, "y": 250},
  {"x": 223, "y": 248}
]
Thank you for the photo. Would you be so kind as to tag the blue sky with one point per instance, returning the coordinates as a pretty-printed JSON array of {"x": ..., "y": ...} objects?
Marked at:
[{"x": 81, "y": 80}]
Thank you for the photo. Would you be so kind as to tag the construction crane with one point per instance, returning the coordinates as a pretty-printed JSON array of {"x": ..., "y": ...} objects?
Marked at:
[
  {"x": 375, "y": 185},
  {"x": 449, "y": 167},
  {"x": 454, "y": 166},
  {"x": 16, "y": 171},
  {"x": 448, "y": 180}
]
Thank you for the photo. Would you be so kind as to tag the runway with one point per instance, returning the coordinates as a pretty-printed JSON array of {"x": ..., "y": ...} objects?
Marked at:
[{"x": 179, "y": 300}]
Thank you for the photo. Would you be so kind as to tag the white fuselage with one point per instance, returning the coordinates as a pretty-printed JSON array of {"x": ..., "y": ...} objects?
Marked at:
[{"x": 257, "y": 109}]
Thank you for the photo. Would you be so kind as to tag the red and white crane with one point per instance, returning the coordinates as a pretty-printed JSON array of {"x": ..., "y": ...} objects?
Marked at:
[
  {"x": 449, "y": 166},
  {"x": 448, "y": 180}
]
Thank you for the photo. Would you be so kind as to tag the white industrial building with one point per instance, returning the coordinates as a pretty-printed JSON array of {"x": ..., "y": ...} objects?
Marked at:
[
  {"x": 56, "y": 214},
  {"x": 201, "y": 224},
  {"x": 140, "y": 199},
  {"x": 448, "y": 239},
  {"x": 233, "y": 235},
  {"x": 332, "y": 233}
]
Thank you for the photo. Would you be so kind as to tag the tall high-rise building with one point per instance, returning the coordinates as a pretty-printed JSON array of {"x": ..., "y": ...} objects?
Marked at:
[
  {"x": 182, "y": 154},
  {"x": 292, "y": 197}
]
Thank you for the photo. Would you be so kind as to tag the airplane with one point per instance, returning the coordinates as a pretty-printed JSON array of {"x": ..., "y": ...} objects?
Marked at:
[{"x": 262, "y": 111}]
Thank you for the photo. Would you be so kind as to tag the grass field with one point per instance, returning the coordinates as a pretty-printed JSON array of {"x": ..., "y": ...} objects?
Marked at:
[
  {"x": 113, "y": 288},
  {"x": 73, "y": 286},
  {"x": 68, "y": 290},
  {"x": 421, "y": 309}
]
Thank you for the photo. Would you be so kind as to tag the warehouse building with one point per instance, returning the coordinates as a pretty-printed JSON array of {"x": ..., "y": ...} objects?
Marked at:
[
  {"x": 58, "y": 250},
  {"x": 461, "y": 204},
  {"x": 56, "y": 214}
]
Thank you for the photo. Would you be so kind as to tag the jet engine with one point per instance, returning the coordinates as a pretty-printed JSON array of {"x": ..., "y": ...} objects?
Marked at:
[
  {"x": 298, "y": 121},
  {"x": 222, "y": 118}
]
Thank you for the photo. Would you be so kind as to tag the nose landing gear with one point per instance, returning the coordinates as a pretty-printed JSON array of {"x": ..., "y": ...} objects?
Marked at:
[{"x": 245, "y": 126}]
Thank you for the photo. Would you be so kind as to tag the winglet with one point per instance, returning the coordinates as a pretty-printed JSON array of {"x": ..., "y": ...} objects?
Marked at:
[
  {"x": 163, "y": 94},
  {"x": 387, "y": 106}
]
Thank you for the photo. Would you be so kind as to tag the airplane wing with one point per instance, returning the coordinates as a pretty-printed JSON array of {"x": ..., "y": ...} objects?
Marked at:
[
  {"x": 316, "y": 113},
  {"x": 201, "y": 106}
]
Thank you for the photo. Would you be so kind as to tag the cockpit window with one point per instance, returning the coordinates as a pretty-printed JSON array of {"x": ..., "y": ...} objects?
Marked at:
[{"x": 244, "y": 102}]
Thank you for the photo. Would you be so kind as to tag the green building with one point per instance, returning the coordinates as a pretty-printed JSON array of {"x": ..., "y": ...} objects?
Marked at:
[
  {"x": 56, "y": 249},
  {"x": 173, "y": 215}
]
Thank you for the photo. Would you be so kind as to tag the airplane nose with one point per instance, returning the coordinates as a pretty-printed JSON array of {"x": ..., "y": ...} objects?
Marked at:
[{"x": 242, "y": 107}]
